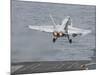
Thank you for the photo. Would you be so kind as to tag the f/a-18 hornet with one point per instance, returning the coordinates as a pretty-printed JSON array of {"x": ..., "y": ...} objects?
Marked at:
[{"x": 65, "y": 29}]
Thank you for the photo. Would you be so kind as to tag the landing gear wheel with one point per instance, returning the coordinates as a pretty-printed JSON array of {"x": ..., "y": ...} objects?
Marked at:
[
  {"x": 70, "y": 41},
  {"x": 54, "y": 39}
]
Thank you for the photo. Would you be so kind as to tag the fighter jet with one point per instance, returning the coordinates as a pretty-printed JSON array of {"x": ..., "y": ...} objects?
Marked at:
[{"x": 65, "y": 29}]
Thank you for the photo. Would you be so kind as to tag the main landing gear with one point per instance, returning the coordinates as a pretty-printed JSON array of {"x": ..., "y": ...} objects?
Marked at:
[
  {"x": 70, "y": 40},
  {"x": 54, "y": 40}
]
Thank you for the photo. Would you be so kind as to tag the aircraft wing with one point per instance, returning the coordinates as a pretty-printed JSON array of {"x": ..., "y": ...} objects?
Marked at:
[
  {"x": 42, "y": 28},
  {"x": 78, "y": 31}
]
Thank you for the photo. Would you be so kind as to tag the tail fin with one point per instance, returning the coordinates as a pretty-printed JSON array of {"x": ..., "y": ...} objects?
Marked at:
[
  {"x": 66, "y": 22},
  {"x": 52, "y": 20}
]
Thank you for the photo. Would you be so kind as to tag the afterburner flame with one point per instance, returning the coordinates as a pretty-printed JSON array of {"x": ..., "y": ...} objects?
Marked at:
[{"x": 58, "y": 34}]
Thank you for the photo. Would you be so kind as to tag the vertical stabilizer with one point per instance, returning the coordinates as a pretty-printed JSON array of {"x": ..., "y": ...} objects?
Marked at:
[
  {"x": 66, "y": 22},
  {"x": 53, "y": 21}
]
